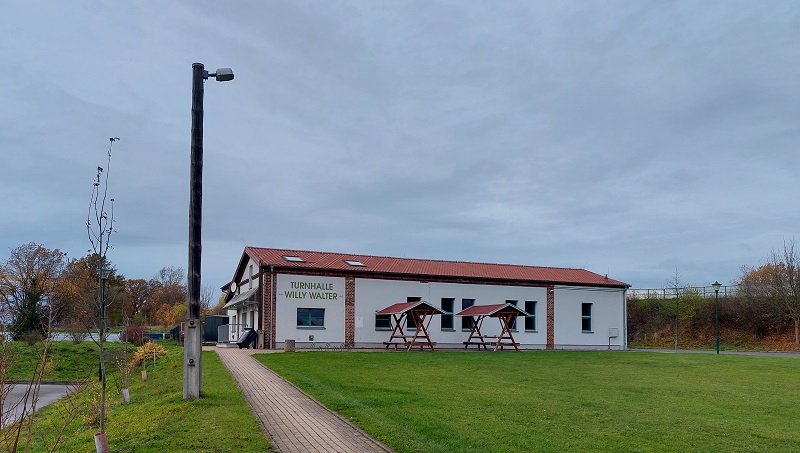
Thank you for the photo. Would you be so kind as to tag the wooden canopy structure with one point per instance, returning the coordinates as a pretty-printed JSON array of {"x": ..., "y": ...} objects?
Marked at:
[
  {"x": 416, "y": 311},
  {"x": 503, "y": 312}
]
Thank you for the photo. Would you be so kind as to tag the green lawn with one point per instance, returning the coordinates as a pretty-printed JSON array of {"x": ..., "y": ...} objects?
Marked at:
[
  {"x": 66, "y": 361},
  {"x": 158, "y": 419},
  {"x": 558, "y": 401}
]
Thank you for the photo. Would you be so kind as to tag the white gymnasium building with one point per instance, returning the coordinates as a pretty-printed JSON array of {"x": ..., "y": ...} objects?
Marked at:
[{"x": 316, "y": 297}]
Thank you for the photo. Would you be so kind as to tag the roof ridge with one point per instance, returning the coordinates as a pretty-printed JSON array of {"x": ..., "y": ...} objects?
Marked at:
[{"x": 356, "y": 255}]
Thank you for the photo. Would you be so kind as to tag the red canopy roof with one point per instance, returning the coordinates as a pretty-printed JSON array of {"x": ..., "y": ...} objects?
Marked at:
[
  {"x": 432, "y": 268},
  {"x": 491, "y": 310},
  {"x": 403, "y": 307}
]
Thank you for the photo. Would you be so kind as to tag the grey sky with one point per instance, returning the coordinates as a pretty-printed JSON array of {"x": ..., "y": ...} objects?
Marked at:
[{"x": 625, "y": 137}]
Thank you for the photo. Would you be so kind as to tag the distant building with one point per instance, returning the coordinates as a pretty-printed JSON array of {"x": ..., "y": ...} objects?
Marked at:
[{"x": 316, "y": 297}]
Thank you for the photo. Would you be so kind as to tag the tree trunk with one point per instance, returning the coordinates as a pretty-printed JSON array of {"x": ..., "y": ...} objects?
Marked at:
[
  {"x": 796, "y": 330},
  {"x": 102, "y": 389}
]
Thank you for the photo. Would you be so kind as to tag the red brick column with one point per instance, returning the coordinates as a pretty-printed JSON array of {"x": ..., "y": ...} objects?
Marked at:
[
  {"x": 349, "y": 311},
  {"x": 266, "y": 299},
  {"x": 551, "y": 306}
]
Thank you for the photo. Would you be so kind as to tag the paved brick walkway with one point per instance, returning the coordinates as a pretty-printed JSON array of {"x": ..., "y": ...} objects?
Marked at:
[{"x": 294, "y": 421}]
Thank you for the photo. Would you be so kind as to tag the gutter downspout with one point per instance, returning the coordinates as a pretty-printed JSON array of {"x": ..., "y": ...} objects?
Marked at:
[
  {"x": 261, "y": 298},
  {"x": 271, "y": 303}
]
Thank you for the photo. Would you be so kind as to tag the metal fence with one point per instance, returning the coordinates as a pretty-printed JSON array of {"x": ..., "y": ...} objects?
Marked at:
[{"x": 671, "y": 293}]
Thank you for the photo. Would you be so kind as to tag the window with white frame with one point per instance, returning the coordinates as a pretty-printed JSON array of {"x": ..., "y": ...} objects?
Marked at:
[
  {"x": 411, "y": 323},
  {"x": 447, "y": 316},
  {"x": 467, "y": 321},
  {"x": 514, "y": 319},
  {"x": 311, "y": 317},
  {"x": 383, "y": 322},
  {"x": 530, "y": 319},
  {"x": 586, "y": 317}
]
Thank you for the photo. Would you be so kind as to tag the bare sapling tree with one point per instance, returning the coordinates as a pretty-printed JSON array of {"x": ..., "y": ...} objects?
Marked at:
[
  {"x": 675, "y": 282},
  {"x": 786, "y": 282},
  {"x": 68, "y": 410},
  {"x": 206, "y": 296},
  {"x": 100, "y": 228}
]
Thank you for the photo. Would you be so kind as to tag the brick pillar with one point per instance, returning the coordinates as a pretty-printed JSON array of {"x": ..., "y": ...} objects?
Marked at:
[
  {"x": 349, "y": 311},
  {"x": 266, "y": 299},
  {"x": 551, "y": 306}
]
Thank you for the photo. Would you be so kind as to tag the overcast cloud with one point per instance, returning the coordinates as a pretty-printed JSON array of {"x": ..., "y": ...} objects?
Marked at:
[{"x": 624, "y": 137}]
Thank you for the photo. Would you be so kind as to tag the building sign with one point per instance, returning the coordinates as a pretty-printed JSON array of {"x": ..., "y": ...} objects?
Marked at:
[{"x": 299, "y": 288}]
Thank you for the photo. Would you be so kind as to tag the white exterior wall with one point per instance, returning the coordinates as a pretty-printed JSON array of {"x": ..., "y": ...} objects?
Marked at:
[
  {"x": 251, "y": 266},
  {"x": 233, "y": 319},
  {"x": 608, "y": 312},
  {"x": 290, "y": 295},
  {"x": 236, "y": 319},
  {"x": 247, "y": 309},
  {"x": 373, "y": 295}
]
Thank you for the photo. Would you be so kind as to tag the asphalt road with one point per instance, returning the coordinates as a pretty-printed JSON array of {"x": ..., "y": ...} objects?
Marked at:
[{"x": 14, "y": 408}]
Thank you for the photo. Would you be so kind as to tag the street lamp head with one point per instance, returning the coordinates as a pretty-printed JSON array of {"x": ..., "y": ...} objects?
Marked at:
[
  {"x": 716, "y": 285},
  {"x": 105, "y": 272},
  {"x": 223, "y": 74}
]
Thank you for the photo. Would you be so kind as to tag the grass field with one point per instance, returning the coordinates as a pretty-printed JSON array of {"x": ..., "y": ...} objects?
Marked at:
[
  {"x": 558, "y": 401},
  {"x": 66, "y": 361},
  {"x": 158, "y": 419}
]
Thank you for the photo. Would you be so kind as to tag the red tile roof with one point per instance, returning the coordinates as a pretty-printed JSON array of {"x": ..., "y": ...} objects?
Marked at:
[
  {"x": 429, "y": 268},
  {"x": 490, "y": 310},
  {"x": 403, "y": 307}
]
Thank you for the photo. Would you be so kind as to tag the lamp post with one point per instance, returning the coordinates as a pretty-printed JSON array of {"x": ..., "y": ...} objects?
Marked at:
[
  {"x": 716, "y": 285},
  {"x": 193, "y": 338}
]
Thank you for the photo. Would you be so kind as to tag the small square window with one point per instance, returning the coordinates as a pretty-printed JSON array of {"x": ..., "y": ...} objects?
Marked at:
[
  {"x": 355, "y": 263},
  {"x": 293, "y": 259}
]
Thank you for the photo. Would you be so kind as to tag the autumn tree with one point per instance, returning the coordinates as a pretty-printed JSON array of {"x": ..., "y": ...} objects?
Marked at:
[
  {"x": 137, "y": 292},
  {"x": 219, "y": 308},
  {"x": 786, "y": 282},
  {"x": 170, "y": 275},
  {"x": 28, "y": 280},
  {"x": 28, "y": 287},
  {"x": 168, "y": 294},
  {"x": 78, "y": 292},
  {"x": 772, "y": 290},
  {"x": 755, "y": 308}
]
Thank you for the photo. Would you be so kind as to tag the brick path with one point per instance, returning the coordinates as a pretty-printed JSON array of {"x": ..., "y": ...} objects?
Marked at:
[{"x": 294, "y": 421}]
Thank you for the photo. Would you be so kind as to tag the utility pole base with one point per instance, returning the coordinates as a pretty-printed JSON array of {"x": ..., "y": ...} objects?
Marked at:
[{"x": 192, "y": 359}]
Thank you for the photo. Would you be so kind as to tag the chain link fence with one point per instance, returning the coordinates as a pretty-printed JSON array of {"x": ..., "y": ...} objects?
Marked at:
[{"x": 671, "y": 293}]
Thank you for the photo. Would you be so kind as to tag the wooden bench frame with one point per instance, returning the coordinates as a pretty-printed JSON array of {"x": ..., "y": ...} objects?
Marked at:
[
  {"x": 503, "y": 340},
  {"x": 420, "y": 339}
]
